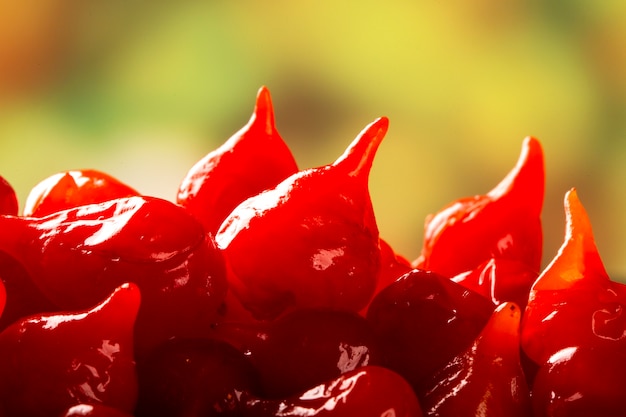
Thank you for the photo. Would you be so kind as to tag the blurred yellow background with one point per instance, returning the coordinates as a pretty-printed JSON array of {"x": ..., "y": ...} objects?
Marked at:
[{"x": 143, "y": 89}]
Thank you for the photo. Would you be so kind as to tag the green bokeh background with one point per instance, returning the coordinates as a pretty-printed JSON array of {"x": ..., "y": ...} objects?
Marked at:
[{"x": 143, "y": 89}]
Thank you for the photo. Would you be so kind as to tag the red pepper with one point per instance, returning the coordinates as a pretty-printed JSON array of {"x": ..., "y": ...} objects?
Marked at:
[
  {"x": 392, "y": 267},
  {"x": 307, "y": 347},
  {"x": 422, "y": 321},
  {"x": 252, "y": 160},
  {"x": 24, "y": 298},
  {"x": 367, "y": 391},
  {"x": 312, "y": 241},
  {"x": 8, "y": 198},
  {"x": 505, "y": 223},
  {"x": 581, "y": 381},
  {"x": 53, "y": 361},
  {"x": 487, "y": 378},
  {"x": 574, "y": 303},
  {"x": 77, "y": 256},
  {"x": 72, "y": 189},
  {"x": 193, "y": 377},
  {"x": 500, "y": 280}
]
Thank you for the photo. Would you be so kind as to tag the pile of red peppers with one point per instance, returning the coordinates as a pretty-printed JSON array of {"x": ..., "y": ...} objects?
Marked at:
[{"x": 266, "y": 290}]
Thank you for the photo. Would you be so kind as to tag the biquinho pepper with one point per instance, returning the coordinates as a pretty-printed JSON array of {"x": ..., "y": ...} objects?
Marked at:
[
  {"x": 504, "y": 224},
  {"x": 254, "y": 159},
  {"x": 77, "y": 256},
  {"x": 574, "y": 303},
  {"x": 312, "y": 241},
  {"x": 307, "y": 347},
  {"x": 487, "y": 378},
  {"x": 50, "y": 362},
  {"x": 69, "y": 189},
  {"x": 422, "y": 321},
  {"x": 581, "y": 381}
]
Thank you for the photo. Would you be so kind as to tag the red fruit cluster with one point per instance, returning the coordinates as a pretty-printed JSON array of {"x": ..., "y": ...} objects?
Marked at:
[{"x": 266, "y": 290}]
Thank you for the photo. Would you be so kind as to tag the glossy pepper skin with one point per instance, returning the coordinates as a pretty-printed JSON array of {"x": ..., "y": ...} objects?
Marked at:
[
  {"x": 77, "y": 256},
  {"x": 312, "y": 241},
  {"x": 51, "y": 362},
  {"x": 392, "y": 267},
  {"x": 94, "y": 410},
  {"x": 422, "y": 321},
  {"x": 252, "y": 160},
  {"x": 500, "y": 280},
  {"x": 574, "y": 303},
  {"x": 581, "y": 381},
  {"x": 505, "y": 223},
  {"x": 307, "y": 347},
  {"x": 74, "y": 188},
  {"x": 368, "y": 391},
  {"x": 486, "y": 379}
]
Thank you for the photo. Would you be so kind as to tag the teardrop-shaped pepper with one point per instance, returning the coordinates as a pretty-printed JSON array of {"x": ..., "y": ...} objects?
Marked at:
[
  {"x": 487, "y": 378},
  {"x": 252, "y": 160},
  {"x": 51, "y": 362},
  {"x": 312, "y": 241},
  {"x": 368, "y": 391},
  {"x": 422, "y": 321},
  {"x": 505, "y": 223},
  {"x": 309, "y": 346},
  {"x": 574, "y": 302},
  {"x": 580, "y": 382},
  {"x": 74, "y": 188},
  {"x": 8, "y": 198},
  {"x": 77, "y": 256}
]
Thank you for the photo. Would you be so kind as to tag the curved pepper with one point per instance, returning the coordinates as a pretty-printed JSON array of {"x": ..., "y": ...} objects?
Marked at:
[
  {"x": 72, "y": 189},
  {"x": 574, "y": 302},
  {"x": 505, "y": 223},
  {"x": 254, "y": 159},
  {"x": 487, "y": 378},
  {"x": 312, "y": 241},
  {"x": 77, "y": 256},
  {"x": 51, "y": 362}
]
